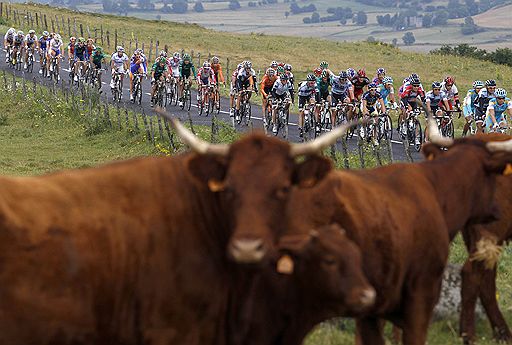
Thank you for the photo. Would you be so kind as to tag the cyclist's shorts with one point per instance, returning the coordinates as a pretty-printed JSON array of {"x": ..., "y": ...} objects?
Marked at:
[
  {"x": 185, "y": 74},
  {"x": 282, "y": 97},
  {"x": 134, "y": 68},
  {"x": 10, "y": 40},
  {"x": 97, "y": 64},
  {"x": 358, "y": 93},
  {"x": 205, "y": 81},
  {"x": 57, "y": 51},
  {"x": 479, "y": 115},
  {"x": 175, "y": 72},
  {"x": 80, "y": 58},
  {"x": 500, "y": 119},
  {"x": 337, "y": 98},
  {"x": 371, "y": 109},
  {"x": 303, "y": 100},
  {"x": 319, "y": 96},
  {"x": 240, "y": 85}
]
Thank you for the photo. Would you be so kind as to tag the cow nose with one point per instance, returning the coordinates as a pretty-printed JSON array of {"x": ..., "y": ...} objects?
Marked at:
[
  {"x": 367, "y": 298},
  {"x": 247, "y": 251}
]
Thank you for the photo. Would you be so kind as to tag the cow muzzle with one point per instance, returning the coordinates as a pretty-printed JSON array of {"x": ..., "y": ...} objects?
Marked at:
[
  {"x": 368, "y": 297},
  {"x": 247, "y": 251}
]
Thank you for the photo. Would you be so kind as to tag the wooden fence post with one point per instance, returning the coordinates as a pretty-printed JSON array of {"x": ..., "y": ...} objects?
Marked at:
[
  {"x": 69, "y": 28},
  {"x": 156, "y": 49},
  {"x": 57, "y": 22},
  {"x": 1, "y": 9},
  {"x": 101, "y": 34},
  {"x": 136, "y": 43},
  {"x": 150, "y": 49},
  {"x": 115, "y": 38},
  {"x": 81, "y": 30},
  {"x": 198, "y": 60},
  {"x": 53, "y": 25},
  {"x": 88, "y": 32},
  {"x": 37, "y": 19},
  {"x": 108, "y": 39},
  {"x": 45, "y": 23},
  {"x": 74, "y": 27}
]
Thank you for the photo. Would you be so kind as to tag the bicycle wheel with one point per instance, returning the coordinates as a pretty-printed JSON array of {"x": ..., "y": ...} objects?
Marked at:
[
  {"x": 211, "y": 106},
  {"x": 385, "y": 128},
  {"x": 247, "y": 113},
  {"x": 418, "y": 135},
  {"x": 286, "y": 115},
  {"x": 268, "y": 119},
  {"x": 189, "y": 100},
  {"x": 448, "y": 130}
]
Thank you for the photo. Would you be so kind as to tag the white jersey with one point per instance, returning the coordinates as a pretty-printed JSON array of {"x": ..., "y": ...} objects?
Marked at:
[
  {"x": 55, "y": 45},
  {"x": 119, "y": 61},
  {"x": 30, "y": 39},
  {"x": 450, "y": 94},
  {"x": 9, "y": 35}
]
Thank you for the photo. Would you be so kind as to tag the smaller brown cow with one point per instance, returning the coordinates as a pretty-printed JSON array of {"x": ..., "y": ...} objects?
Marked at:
[
  {"x": 403, "y": 217},
  {"x": 479, "y": 272}
]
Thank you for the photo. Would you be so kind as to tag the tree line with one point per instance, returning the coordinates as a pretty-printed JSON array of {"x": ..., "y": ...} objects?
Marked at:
[{"x": 502, "y": 56}]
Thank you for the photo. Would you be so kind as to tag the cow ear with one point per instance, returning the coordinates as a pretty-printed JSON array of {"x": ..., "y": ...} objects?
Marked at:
[
  {"x": 431, "y": 151},
  {"x": 313, "y": 169},
  {"x": 499, "y": 163},
  {"x": 208, "y": 170}
]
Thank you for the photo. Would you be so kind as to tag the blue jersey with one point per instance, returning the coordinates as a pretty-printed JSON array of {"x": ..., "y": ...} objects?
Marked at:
[
  {"x": 43, "y": 42},
  {"x": 385, "y": 92},
  {"x": 340, "y": 88},
  {"x": 499, "y": 109},
  {"x": 469, "y": 102}
]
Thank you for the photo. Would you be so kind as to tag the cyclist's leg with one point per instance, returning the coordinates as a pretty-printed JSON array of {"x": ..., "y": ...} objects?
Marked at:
[{"x": 131, "y": 84}]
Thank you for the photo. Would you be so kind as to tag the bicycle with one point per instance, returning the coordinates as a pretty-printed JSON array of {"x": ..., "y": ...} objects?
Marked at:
[
  {"x": 267, "y": 117},
  {"x": 282, "y": 115},
  {"x": 80, "y": 75},
  {"x": 384, "y": 127},
  {"x": 244, "y": 114},
  {"x": 93, "y": 77},
  {"x": 500, "y": 129},
  {"x": 137, "y": 88},
  {"x": 445, "y": 123},
  {"x": 19, "y": 60},
  {"x": 187, "y": 97},
  {"x": 410, "y": 129},
  {"x": 54, "y": 69},
  {"x": 8, "y": 57},
  {"x": 325, "y": 123},
  {"x": 308, "y": 130},
  {"x": 160, "y": 93},
  {"x": 44, "y": 67},
  {"x": 204, "y": 92},
  {"x": 30, "y": 60},
  {"x": 170, "y": 90},
  {"x": 117, "y": 90}
]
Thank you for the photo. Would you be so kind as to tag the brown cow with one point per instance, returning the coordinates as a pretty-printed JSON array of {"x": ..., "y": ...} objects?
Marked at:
[
  {"x": 479, "y": 272},
  {"x": 135, "y": 252},
  {"x": 403, "y": 218}
]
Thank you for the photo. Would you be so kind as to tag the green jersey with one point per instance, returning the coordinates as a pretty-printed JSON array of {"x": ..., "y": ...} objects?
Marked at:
[
  {"x": 159, "y": 70},
  {"x": 186, "y": 68},
  {"x": 321, "y": 86},
  {"x": 97, "y": 58}
]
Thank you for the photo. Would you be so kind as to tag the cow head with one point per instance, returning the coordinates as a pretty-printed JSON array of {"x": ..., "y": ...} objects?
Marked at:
[
  {"x": 327, "y": 267},
  {"x": 252, "y": 178},
  {"x": 486, "y": 156}
]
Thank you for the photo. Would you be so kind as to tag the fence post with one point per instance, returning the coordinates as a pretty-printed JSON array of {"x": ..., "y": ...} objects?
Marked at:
[
  {"x": 127, "y": 121},
  {"x": 390, "y": 150},
  {"x": 57, "y": 22},
  {"x": 108, "y": 39},
  {"x": 63, "y": 24},
  {"x": 37, "y": 20},
  {"x": 135, "y": 121},
  {"x": 74, "y": 26},
  {"x": 228, "y": 76},
  {"x": 136, "y": 43},
  {"x": 81, "y": 30},
  {"x": 152, "y": 130},
  {"x": 150, "y": 49},
  {"x": 344, "y": 151},
  {"x": 198, "y": 59},
  {"x": 156, "y": 49},
  {"x": 118, "y": 117},
  {"x": 101, "y": 34},
  {"x": 88, "y": 31},
  {"x": 115, "y": 38},
  {"x": 53, "y": 25},
  {"x": 160, "y": 129},
  {"x": 45, "y": 23},
  {"x": 360, "y": 149},
  {"x": 1, "y": 9},
  {"x": 145, "y": 120}
]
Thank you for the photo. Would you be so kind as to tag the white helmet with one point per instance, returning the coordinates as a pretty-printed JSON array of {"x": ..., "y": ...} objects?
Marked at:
[
  {"x": 11, "y": 31},
  {"x": 32, "y": 32},
  {"x": 120, "y": 49},
  {"x": 20, "y": 33},
  {"x": 57, "y": 37}
]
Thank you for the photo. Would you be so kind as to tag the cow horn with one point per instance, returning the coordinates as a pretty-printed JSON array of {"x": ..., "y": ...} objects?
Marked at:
[
  {"x": 435, "y": 136},
  {"x": 195, "y": 144},
  {"x": 322, "y": 142},
  {"x": 495, "y": 146}
]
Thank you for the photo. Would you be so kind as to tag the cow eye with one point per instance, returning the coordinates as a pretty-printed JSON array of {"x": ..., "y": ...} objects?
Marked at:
[
  {"x": 329, "y": 261},
  {"x": 282, "y": 193}
]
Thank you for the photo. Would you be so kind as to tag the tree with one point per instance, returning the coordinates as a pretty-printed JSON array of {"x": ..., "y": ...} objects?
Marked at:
[
  {"x": 361, "y": 18},
  {"x": 234, "y": 5},
  {"x": 198, "y": 7},
  {"x": 426, "y": 21},
  {"x": 440, "y": 18},
  {"x": 287, "y": 14},
  {"x": 180, "y": 7},
  {"x": 394, "y": 42},
  {"x": 469, "y": 27},
  {"x": 315, "y": 17},
  {"x": 502, "y": 56},
  {"x": 408, "y": 38}
]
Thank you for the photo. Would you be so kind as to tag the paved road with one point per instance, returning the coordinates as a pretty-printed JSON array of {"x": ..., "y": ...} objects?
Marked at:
[{"x": 397, "y": 146}]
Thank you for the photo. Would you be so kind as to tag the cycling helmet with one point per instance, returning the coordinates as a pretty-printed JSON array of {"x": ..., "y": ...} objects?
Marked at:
[
  {"x": 163, "y": 53},
  {"x": 239, "y": 66},
  {"x": 372, "y": 86},
  {"x": 325, "y": 74},
  {"x": 11, "y": 31},
  {"x": 449, "y": 80},
  {"x": 20, "y": 33},
  {"x": 206, "y": 65},
  {"x": 436, "y": 85},
  {"x": 57, "y": 37},
  {"x": 490, "y": 82},
  {"x": 31, "y": 31},
  {"x": 273, "y": 64},
  {"x": 317, "y": 71},
  {"x": 45, "y": 33},
  {"x": 215, "y": 59},
  {"x": 162, "y": 60},
  {"x": 98, "y": 49},
  {"x": 176, "y": 55},
  {"x": 478, "y": 84},
  {"x": 413, "y": 75},
  {"x": 406, "y": 80},
  {"x": 387, "y": 80},
  {"x": 351, "y": 72},
  {"x": 287, "y": 67},
  {"x": 381, "y": 70},
  {"x": 270, "y": 72},
  {"x": 343, "y": 75},
  {"x": 284, "y": 76},
  {"x": 361, "y": 73},
  {"x": 120, "y": 49},
  {"x": 186, "y": 57},
  {"x": 280, "y": 70},
  {"x": 81, "y": 40},
  {"x": 324, "y": 64},
  {"x": 500, "y": 93},
  {"x": 71, "y": 39},
  {"x": 415, "y": 80},
  {"x": 247, "y": 64},
  {"x": 310, "y": 77}
]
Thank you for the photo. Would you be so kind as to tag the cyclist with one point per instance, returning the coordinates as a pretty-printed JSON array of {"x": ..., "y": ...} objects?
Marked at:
[
  {"x": 372, "y": 104},
  {"x": 43, "y": 46},
  {"x": 288, "y": 71},
  {"x": 280, "y": 92},
  {"x": 342, "y": 91},
  {"x": 89, "y": 48},
  {"x": 497, "y": 110},
  {"x": 274, "y": 64},
  {"x": 451, "y": 91},
  {"x": 185, "y": 67},
  {"x": 80, "y": 58},
  {"x": 388, "y": 92},
  {"x": 379, "y": 78},
  {"x": 435, "y": 101},
  {"x": 118, "y": 64},
  {"x": 71, "y": 52},
  {"x": 158, "y": 72},
  {"x": 411, "y": 97},
  {"x": 163, "y": 54},
  {"x": 322, "y": 95},
  {"x": 351, "y": 73},
  {"x": 205, "y": 79},
  {"x": 55, "y": 51},
  {"x": 174, "y": 64},
  {"x": 9, "y": 40},
  {"x": 244, "y": 82},
  {"x": 219, "y": 77},
  {"x": 19, "y": 40},
  {"x": 481, "y": 102},
  {"x": 232, "y": 89},
  {"x": 360, "y": 82},
  {"x": 137, "y": 66},
  {"x": 97, "y": 58},
  {"x": 324, "y": 66},
  {"x": 30, "y": 43},
  {"x": 469, "y": 104},
  {"x": 267, "y": 82},
  {"x": 306, "y": 91}
]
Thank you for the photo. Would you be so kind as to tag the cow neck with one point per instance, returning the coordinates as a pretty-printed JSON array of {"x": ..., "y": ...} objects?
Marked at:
[{"x": 454, "y": 179}]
